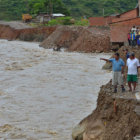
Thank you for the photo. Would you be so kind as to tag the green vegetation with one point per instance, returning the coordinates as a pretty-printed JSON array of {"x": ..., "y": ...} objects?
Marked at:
[
  {"x": 13, "y": 9},
  {"x": 68, "y": 21},
  {"x": 92, "y": 8},
  {"x": 82, "y": 22},
  {"x": 60, "y": 21},
  {"x": 47, "y": 6}
]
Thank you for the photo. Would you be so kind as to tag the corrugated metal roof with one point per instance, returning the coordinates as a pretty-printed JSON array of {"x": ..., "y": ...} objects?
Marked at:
[{"x": 58, "y": 15}]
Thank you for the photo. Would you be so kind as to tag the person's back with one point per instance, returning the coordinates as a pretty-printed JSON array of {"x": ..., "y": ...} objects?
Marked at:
[
  {"x": 129, "y": 36},
  {"x": 138, "y": 40},
  {"x": 126, "y": 52},
  {"x": 129, "y": 39},
  {"x": 133, "y": 29},
  {"x": 133, "y": 39}
]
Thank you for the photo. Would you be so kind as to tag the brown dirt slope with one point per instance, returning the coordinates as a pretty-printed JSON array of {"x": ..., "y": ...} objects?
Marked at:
[
  {"x": 8, "y": 31},
  {"x": 105, "y": 124},
  {"x": 81, "y": 39},
  {"x": 112, "y": 121}
]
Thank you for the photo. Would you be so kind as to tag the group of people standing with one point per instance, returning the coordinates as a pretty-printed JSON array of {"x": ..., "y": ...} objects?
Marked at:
[
  {"x": 134, "y": 37},
  {"x": 118, "y": 66}
]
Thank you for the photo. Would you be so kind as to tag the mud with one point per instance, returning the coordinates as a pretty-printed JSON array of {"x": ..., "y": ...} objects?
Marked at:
[
  {"x": 74, "y": 38},
  {"x": 117, "y": 116},
  {"x": 80, "y": 39},
  {"x": 107, "y": 124},
  {"x": 20, "y": 31}
]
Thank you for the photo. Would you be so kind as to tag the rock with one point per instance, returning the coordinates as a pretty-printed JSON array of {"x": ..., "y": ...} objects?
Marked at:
[
  {"x": 97, "y": 131},
  {"x": 115, "y": 47},
  {"x": 77, "y": 132},
  {"x": 107, "y": 66}
]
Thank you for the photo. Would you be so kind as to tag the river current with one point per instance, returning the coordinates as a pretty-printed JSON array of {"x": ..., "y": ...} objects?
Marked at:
[{"x": 44, "y": 94}]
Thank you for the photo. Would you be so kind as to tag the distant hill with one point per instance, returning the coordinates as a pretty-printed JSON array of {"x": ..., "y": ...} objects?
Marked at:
[
  {"x": 13, "y": 9},
  {"x": 90, "y": 8}
]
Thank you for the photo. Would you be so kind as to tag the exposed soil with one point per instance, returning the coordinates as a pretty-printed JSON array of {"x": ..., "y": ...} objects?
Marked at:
[
  {"x": 74, "y": 38},
  {"x": 119, "y": 120},
  {"x": 109, "y": 123},
  {"x": 81, "y": 39},
  {"x": 18, "y": 30},
  {"x": 111, "y": 120}
]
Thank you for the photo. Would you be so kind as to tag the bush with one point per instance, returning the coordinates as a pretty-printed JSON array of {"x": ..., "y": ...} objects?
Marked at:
[
  {"x": 68, "y": 21},
  {"x": 82, "y": 22},
  {"x": 60, "y": 21}
]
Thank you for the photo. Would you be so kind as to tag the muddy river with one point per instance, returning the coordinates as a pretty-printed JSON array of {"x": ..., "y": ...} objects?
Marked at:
[{"x": 44, "y": 94}]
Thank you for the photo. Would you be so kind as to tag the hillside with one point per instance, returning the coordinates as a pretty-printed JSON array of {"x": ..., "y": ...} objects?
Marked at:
[
  {"x": 13, "y": 9},
  {"x": 95, "y": 7}
]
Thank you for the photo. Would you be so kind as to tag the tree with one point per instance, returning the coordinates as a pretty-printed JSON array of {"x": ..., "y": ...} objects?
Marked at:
[
  {"x": 13, "y": 9},
  {"x": 48, "y": 6},
  {"x": 89, "y": 8}
]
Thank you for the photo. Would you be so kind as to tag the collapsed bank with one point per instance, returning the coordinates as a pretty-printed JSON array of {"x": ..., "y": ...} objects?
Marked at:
[
  {"x": 115, "y": 118},
  {"x": 81, "y": 39}
]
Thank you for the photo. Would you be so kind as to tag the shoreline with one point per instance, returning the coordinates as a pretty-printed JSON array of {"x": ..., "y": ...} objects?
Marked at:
[
  {"x": 117, "y": 116},
  {"x": 47, "y": 86},
  {"x": 105, "y": 123},
  {"x": 72, "y": 38}
]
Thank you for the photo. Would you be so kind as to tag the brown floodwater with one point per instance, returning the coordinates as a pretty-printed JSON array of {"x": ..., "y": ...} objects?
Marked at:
[{"x": 44, "y": 94}]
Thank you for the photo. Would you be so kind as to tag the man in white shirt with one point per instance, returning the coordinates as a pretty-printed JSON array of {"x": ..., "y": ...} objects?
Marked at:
[
  {"x": 133, "y": 65},
  {"x": 134, "y": 29}
]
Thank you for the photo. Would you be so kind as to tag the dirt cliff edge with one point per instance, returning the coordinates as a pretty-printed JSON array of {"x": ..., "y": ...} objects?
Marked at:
[
  {"x": 25, "y": 33},
  {"x": 115, "y": 118},
  {"x": 80, "y": 39}
]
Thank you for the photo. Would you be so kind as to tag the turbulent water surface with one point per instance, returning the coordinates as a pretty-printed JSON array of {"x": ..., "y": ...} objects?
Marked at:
[{"x": 44, "y": 94}]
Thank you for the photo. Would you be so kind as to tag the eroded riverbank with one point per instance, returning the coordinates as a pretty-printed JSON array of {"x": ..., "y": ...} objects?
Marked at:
[{"x": 44, "y": 94}]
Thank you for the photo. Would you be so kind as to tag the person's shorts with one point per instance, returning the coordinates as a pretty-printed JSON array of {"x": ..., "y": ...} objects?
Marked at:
[
  {"x": 117, "y": 78},
  {"x": 132, "y": 78}
]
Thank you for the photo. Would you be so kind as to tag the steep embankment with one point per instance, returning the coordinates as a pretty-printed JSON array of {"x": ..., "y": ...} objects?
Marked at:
[
  {"x": 119, "y": 120},
  {"x": 17, "y": 30},
  {"x": 74, "y": 38},
  {"x": 117, "y": 116},
  {"x": 81, "y": 39}
]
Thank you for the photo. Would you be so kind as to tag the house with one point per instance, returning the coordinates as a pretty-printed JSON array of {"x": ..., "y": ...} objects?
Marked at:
[
  {"x": 122, "y": 24},
  {"x": 45, "y": 17},
  {"x": 101, "y": 21},
  {"x": 58, "y": 15}
]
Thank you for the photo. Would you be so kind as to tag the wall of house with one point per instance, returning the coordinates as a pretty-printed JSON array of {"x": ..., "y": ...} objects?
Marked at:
[
  {"x": 97, "y": 21},
  {"x": 119, "y": 33},
  {"x": 130, "y": 14},
  {"x": 100, "y": 21},
  {"x": 139, "y": 7},
  {"x": 127, "y": 15},
  {"x": 120, "y": 30}
]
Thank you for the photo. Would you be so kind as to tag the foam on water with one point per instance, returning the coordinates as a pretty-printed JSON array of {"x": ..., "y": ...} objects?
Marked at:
[{"x": 44, "y": 94}]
